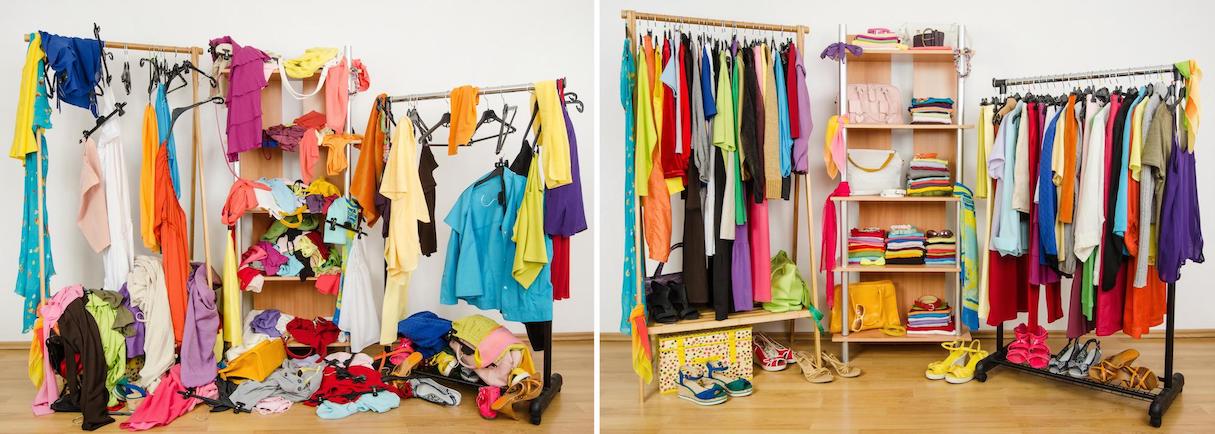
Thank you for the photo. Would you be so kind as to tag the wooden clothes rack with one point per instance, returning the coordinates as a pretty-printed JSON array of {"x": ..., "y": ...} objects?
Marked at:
[
  {"x": 799, "y": 31},
  {"x": 552, "y": 381},
  {"x": 198, "y": 180},
  {"x": 1173, "y": 382}
]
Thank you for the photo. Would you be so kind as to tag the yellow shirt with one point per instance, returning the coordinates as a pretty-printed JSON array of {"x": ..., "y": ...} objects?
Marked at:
[
  {"x": 1136, "y": 157},
  {"x": 646, "y": 132},
  {"x": 530, "y": 251},
  {"x": 147, "y": 180},
  {"x": 986, "y": 137},
  {"x": 233, "y": 327},
  {"x": 552, "y": 136},
  {"x": 24, "y": 141},
  {"x": 403, "y": 187}
]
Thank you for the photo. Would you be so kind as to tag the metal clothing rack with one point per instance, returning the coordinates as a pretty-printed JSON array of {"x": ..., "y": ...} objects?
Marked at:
[
  {"x": 552, "y": 381},
  {"x": 799, "y": 34},
  {"x": 1172, "y": 382}
]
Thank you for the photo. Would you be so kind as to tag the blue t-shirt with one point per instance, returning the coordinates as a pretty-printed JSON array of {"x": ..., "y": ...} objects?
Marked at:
[
  {"x": 481, "y": 253},
  {"x": 1046, "y": 194},
  {"x": 1120, "y": 204}
]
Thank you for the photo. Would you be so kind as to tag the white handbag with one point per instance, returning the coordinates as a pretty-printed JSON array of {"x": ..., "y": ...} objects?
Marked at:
[{"x": 872, "y": 170}]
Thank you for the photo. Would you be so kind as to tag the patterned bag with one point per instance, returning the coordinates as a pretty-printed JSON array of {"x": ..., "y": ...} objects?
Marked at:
[{"x": 730, "y": 346}]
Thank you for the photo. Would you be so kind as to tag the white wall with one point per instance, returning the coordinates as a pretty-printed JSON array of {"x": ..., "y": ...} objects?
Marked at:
[
  {"x": 409, "y": 47},
  {"x": 1031, "y": 38}
]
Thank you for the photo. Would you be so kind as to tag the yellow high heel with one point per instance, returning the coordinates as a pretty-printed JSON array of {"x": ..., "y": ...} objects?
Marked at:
[
  {"x": 957, "y": 350},
  {"x": 963, "y": 373}
]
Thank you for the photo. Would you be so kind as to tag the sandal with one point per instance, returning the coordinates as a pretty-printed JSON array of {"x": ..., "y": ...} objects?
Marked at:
[
  {"x": 963, "y": 373},
  {"x": 525, "y": 390},
  {"x": 406, "y": 366},
  {"x": 769, "y": 355},
  {"x": 1018, "y": 350},
  {"x": 811, "y": 369},
  {"x": 692, "y": 388},
  {"x": 431, "y": 391},
  {"x": 1039, "y": 353},
  {"x": 1140, "y": 378},
  {"x": 1084, "y": 358},
  {"x": 842, "y": 369},
  {"x": 1110, "y": 369},
  {"x": 486, "y": 395},
  {"x": 734, "y": 386},
  {"x": 957, "y": 357},
  {"x": 1059, "y": 362}
]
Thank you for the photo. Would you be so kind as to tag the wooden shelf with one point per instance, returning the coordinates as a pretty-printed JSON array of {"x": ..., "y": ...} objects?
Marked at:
[
  {"x": 895, "y": 199},
  {"x": 707, "y": 321},
  {"x": 886, "y": 55},
  {"x": 908, "y": 126},
  {"x": 878, "y": 336},
  {"x": 288, "y": 279},
  {"x": 897, "y": 269}
]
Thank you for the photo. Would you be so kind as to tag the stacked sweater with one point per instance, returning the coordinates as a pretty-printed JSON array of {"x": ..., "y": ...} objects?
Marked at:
[
  {"x": 879, "y": 38},
  {"x": 930, "y": 320},
  {"x": 941, "y": 250},
  {"x": 931, "y": 110},
  {"x": 929, "y": 176},
  {"x": 904, "y": 246},
  {"x": 867, "y": 246}
]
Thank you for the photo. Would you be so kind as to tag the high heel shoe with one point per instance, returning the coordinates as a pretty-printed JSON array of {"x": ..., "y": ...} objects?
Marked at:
[
  {"x": 769, "y": 355},
  {"x": 658, "y": 304},
  {"x": 1018, "y": 350},
  {"x": 957, "y": 355},
  {"x": 678, "y": 295},
  {"x": 1059, "y": 362},
  {"x": 1084, "y": 358},
  {"x": 964, "y": 373},
  {"x": 1039, "y": 352},
  {"x": 715, "y": 372},
  {"x": 694, "y": 388},
  {"x": 842, "y": 369},
  {"x": 811, "y": 370}
]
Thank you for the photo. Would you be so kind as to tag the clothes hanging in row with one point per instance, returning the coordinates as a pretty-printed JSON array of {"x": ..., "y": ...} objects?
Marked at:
[
  {"x": 725, "y": 124},
  {"x": 1097, "y": 186}
]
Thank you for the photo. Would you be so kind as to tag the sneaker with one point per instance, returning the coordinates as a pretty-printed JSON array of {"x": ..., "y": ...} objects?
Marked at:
[
  {"x": 430, "y": 390},
  {"x": 486, "y": 396}
]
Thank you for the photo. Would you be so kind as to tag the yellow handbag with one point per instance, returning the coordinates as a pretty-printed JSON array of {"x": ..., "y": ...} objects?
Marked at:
[
  {"x": 257, "y": 363},
  {"x": 871, "y": 305}
]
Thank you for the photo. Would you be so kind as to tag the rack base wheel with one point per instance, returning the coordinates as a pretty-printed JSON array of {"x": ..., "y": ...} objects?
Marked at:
[
  {"x": 551, "y": 388},
  {"x": 987, "y": 364},
  {"x": 1165, "y": 399}
]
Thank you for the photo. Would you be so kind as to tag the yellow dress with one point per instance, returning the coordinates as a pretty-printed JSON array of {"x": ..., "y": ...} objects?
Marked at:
[{"x": 402, "y": 186}]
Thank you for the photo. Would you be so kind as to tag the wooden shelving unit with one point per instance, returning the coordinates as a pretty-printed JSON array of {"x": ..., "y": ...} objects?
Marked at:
[
  {"x": 933, "y": 74},
  {"x": 707, "y": 321},
  {"x": 287, "y": 294}
]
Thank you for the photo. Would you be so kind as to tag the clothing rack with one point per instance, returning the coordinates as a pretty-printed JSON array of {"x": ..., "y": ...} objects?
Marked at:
[
  {"x": 799, "y": 33},
  {"x": 552, "y": 381},
  {"x": 198, "y": 180},
  {"x": 1173, "y": 382}
]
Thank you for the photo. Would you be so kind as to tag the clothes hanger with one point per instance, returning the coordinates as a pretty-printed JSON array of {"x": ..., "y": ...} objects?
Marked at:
[
  {"x": 177, "y": 112},
  {"x": 119, "y": 110},
  {"x": 126, "y": 70}
]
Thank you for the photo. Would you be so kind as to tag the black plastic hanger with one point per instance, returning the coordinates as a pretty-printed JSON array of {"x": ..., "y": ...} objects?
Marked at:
[
  {"x": 119, "y": 110},
  {"x": 177, "y": 112}
]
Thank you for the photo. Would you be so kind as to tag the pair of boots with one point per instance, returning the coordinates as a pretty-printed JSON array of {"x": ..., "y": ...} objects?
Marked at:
[{"x": 668, "y": 303}]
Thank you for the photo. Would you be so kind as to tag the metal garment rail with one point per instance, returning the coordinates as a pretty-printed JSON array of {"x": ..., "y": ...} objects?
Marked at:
[
  {"x": 799, "y": 35},
  {"x": 526, "y": 87},
  {"x": 1173, "y": 381}
]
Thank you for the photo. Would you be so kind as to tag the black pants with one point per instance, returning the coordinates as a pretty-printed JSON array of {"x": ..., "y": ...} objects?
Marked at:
[
  {"x": 83, "y": 391},
  {"x": 723, "y": 296}
]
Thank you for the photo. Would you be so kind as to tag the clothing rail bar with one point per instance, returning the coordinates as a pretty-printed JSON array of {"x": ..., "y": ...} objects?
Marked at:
[
  {"x": 645, "y": 16},
  {"x": 1146, "y": 70},
  {"x": 483, "y": 91},
  {"x": 146, "y": 47}
]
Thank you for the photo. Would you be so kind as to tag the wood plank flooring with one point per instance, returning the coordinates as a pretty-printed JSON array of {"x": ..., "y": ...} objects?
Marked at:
[
  {"x": 571, "y": 412},
  {"x": 893, "y": 396}
]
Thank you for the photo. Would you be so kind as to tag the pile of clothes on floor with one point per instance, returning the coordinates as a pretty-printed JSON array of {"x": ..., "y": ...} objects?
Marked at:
[
  {"x": 930, "y": 315},
  {"x": 929, "y": 176},
  {"x": 942, "y": 248},
  {"x": 879, "y": 38},
  {"x": 867, "y": 246},
  {"x": 931, "y": 110},
  {"x": 904, "y": 245}
]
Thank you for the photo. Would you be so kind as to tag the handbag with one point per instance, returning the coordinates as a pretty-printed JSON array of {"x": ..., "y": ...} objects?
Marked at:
[
  {"x": 871, "y": 305},
  {"x": 928, "y": 38},
  {"x": 729, "y": 346},
  {"x": 874, "y": 104},
  {"x": 872, "y": 170}
]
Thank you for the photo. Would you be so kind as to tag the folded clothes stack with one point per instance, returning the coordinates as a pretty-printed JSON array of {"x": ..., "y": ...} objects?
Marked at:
[
  {"x": 904, "y": 246},
  {"x": 929, "y": 176},
  {"x": 879, "y": 38},
  {"x": 930, "y": 316},
  {"x": 931, "y": 110},
  {"x": 942, "y": 248},
  {"x": 867, "y": 247}
]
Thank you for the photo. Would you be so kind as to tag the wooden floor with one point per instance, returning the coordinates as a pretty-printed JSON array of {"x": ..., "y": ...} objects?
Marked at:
[
  {"x": 893, "y": 395},
  {"x": 571, "y": 412}
]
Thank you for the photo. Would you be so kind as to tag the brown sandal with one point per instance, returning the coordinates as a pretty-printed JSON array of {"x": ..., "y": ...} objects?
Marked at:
[
  {"x": 811, "y": 369},
  {"x": 1140, "y": 378},
  {"x": 1110, "y": 369},
  {"x": 526, "y": 390}
]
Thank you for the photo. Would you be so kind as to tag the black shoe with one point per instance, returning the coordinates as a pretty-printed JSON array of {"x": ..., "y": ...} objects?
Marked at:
[
  {"x": 679, "y": 300},
  {"x": 658, "y": 304}
]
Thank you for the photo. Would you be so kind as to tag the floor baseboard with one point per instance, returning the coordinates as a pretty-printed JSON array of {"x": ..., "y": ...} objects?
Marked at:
[
  {"x": 981, "y": 334},
  {"x": 557, "y": 337}
]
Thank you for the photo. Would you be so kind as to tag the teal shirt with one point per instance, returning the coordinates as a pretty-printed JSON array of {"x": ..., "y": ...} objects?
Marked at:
[
  {"x": 1008, "y": 241},
  {"x": 782, "y": 110},
  {"x": 166, "y": 135},
  {"x": 481, "y": 254},
  {"x": 1120, "y": 204}
]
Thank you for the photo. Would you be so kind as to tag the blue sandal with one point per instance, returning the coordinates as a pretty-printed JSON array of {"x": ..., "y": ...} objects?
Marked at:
[
  {"x": 734, "y": 386},
  {"x": 698, "y": 390}
]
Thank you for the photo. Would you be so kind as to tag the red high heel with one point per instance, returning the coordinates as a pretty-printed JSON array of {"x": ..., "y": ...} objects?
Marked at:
[
  {"x": 1039, "y": 353},
  {"x": 1018, "y": 350}
]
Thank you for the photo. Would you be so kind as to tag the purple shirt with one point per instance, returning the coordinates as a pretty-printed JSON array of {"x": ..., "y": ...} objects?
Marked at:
[
  {"x": 198, "y": 339},
  {"x": 135, "y": 341},
  {"x": 564, "y": 214},
  {"x": 801, "y": 144},
  {"x": 246, "y": 80}
]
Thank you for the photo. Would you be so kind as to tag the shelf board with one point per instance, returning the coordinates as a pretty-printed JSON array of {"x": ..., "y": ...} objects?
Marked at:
[
  {"x": 886, "y": 55},
  {"x": 898, "y": 269},
  {"x": 288, "y": 279},
  {"x": 706, "y": 320},
  {"x": 876, "y": 336},
  {"x": 895, "y": 199},
  {"x": 908, "y": 126}
]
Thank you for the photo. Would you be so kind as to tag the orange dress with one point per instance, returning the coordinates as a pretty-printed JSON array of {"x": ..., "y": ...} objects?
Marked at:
[{"x": 170, "y": 227}]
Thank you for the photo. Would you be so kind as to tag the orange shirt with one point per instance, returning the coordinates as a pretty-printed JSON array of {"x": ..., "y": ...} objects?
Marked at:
[
  {"x": 365, "y": 184},
  {"x": 1067, "y": 199},
  {"x": 170, "y": 226},
  {"x": 147, "y": 176},
  {"x": 464, "y": 101}
]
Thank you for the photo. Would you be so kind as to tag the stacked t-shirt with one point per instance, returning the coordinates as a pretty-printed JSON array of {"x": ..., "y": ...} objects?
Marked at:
[
  {"x": 931, "y": 110},
  {"x": 941, "y": 250},
  {"x": 929, "y": 176},
  {"x": 881, "y": 39},
  {"x": 923, "y": 320},
  {"x": 867, "y": 246},
  {"x": 904, "y": 246}
]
